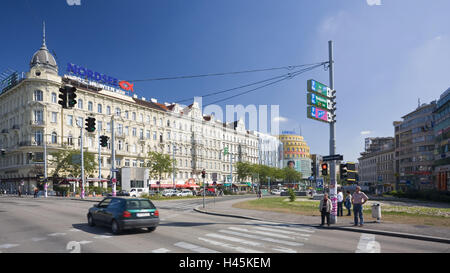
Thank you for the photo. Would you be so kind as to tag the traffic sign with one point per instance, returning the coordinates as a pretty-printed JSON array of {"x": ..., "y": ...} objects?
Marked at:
[
  {"x": 319, "y": 114},
  {"x": 319, "y": 101},
  {"x": 333, "y": 157},
  {"x": 114, "y": 170},
  {"x": 319, "y": 88}
]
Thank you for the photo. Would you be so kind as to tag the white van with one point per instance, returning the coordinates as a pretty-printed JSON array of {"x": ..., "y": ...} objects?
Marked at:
[{"x": 137, "y": 192}]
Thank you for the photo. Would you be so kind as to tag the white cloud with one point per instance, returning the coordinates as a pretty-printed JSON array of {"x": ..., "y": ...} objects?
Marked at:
[
  {"x": 366, "y": 132},
  {"x": 280, "y": 119}
]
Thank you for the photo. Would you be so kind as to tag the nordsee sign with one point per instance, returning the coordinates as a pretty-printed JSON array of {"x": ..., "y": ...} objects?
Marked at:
[{"x": 104, "y": 79}]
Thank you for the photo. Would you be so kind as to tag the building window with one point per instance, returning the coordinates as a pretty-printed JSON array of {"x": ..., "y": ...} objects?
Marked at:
[
  {"x": 38, "y": 95},
  {"x": 54, "y": 117},
  {"x": 54, "y": 138},
  {"x": 38, "y": 116},
  {"x": 70, "y": 120},
  {"x": 54, "y": 97},
  {"x": 108, "y": 110},
  {"x": 80, "y": 104},
  {"x": 133, "y": 116},
  {"x": 134, "y": 131},
  {"x": 90, "y": 106},
  {"x": 99, "y": 108},
  {"x": 126, "y": 114},
  {"x": 117, "y": 111},
  {"x": 38, "y": 137}
]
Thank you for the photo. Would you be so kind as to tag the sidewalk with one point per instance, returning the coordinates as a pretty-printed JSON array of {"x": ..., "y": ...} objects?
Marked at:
[{"x": 427, "y": 233}]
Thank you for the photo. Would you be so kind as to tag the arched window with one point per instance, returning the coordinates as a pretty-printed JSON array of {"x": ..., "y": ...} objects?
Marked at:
[
  {"x": 80, "y": 104},
  {"x": 108, "y": 110},
  {"x": 53, "y": 97},
  {"x": 99, "y": 108},
  {"x": 118, "y": 111},
  {"x": 54, "y": 138},
  {"x": 90, "y": 106},
  {"x": 38, "y": 95}
]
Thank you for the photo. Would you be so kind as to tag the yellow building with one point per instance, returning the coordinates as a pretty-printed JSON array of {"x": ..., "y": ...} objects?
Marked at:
[{"x": 296, "y": 153}]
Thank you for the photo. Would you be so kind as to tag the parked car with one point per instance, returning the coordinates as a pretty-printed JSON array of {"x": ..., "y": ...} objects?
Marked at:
[
  {"x": 137, "y": 192},
  {"x": 169, "y": 193},
  {"x": 186, "y": 193},
  {"x": 276, "y": 192},
  {"x": 122, "y": 213}
]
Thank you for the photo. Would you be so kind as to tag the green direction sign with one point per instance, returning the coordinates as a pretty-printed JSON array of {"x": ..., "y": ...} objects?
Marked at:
[
  {"x": 319, "y": 101},
  {"x": 319, "y": 88},
  {"x": 225, "y": 151}
]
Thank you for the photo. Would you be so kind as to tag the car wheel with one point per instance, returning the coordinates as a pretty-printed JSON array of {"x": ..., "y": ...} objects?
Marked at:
[
  {"x": 91, "y": 222},
  {"x": 115, "y": 227},
  {"x": 151, "y": 229}
]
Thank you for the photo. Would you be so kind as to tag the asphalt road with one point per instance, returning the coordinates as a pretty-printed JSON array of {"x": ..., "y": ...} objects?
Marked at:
[{"x": 30, "y": 225}]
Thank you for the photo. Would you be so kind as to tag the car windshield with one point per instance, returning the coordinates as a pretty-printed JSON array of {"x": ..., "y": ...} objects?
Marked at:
[{"x": 140, "y": 204}]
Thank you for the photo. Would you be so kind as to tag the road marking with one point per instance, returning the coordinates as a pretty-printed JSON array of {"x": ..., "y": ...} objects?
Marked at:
[
  {"x": 282, "y": 226},
  {"x": 282, "y": 231},
  {"x": 266, "y": 233},
  {"x": 56, "y": 234},
  {"x": 85, "y": 242},
  {"x": 367, "y": 244},
  {"x": 161, "y": 250},
  {"x": 225, "y": 245},
  {"x": 285, "y": 250},
  {"x": 195, "y": 248},
  {"x": 74, "y": 230},
  {"x": 233, "y": 239},
  {"x": 251, "y": 236},
  {"x": 37, "y": 239},
  {"x": 102, "y": 237},
  {"x": 8, "y": 245}
]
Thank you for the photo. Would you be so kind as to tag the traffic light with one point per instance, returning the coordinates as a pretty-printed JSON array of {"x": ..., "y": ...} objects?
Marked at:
[
  {"x": 324, "y": 169},
  {"x": 63, "y": 97},
  {"x": 203, "y": 174},
  {"x": 313, "y": 169},
  {"x": 104, "y": 141},
  {"x": 3, "y": 152},
  {"x": 343, "y": 170},
  {"x": 71, "y": 95},
  {"x": 351, "y": 173},
  {"x": 90, "y": 124}
]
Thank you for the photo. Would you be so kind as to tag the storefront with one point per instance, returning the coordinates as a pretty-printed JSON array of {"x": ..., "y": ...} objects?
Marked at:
[{"x": 443, "y": 178}]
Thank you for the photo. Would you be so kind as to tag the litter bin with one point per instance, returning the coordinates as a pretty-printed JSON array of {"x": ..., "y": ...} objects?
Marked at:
[{"x": 376, "y": 211}]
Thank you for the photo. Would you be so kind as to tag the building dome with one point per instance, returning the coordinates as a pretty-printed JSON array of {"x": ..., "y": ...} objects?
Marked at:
[{"x": 44, "y": 58}]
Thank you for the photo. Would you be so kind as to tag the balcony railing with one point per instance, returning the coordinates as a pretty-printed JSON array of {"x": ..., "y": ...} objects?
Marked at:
[{"x": 37, "y": 122}]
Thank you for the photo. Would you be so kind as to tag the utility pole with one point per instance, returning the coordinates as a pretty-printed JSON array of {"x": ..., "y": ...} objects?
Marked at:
[
  {"x": 173, "y": 165},
  {"x": 113, "y": 158},
  {"x": 99, "y": 158},
  {"x": 45, "y": 166},
  {"x": 82, "y": 161},
  {"x": 333, "y": 185}
]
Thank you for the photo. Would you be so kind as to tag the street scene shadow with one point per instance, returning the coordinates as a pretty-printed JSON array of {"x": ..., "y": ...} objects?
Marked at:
[
  {"x": 104, "y": 230},
  {"x": 185, "y": 224}
]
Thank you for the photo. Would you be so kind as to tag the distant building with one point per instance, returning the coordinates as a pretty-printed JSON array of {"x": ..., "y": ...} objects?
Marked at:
[
  {"x": 270, "y": 150},
  {"x": 296, "y": 153},
  {"x": 376, "y": 164},
  {"x": 442, "y": 142},
  {"x": 414, "y": 148}
]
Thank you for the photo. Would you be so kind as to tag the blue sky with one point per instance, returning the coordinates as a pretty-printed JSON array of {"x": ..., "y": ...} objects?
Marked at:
[{"x": 386, "y": 56}]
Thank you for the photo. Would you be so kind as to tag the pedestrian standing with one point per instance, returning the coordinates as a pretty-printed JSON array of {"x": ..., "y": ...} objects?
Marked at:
[
  {"x": 348, "y": 203},
  {"x": 325, "y": 209},
  {"x": 340, "y": 201},
  {"x": 35, "y": 192},
  {"x": 359, "y": 198},
  {"x": 20, "y": 193}
]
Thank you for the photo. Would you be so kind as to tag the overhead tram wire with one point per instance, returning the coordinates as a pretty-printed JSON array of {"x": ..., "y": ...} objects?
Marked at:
[
  {"x": 288, "y": 76},
  {"x": 291, "y": 67},
  {"x": 250, "y": 84}
]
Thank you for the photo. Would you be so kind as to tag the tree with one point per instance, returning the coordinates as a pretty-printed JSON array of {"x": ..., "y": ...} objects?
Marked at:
[
  {"x": 244, "y": 170},
  {"x": 160, "y": 164},
  {"x": 291, "y": 175},
  {"x": 67, "y": 162}
]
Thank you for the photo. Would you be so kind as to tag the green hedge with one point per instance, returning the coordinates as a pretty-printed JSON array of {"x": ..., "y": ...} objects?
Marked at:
[{"x": 427, "y": 195}]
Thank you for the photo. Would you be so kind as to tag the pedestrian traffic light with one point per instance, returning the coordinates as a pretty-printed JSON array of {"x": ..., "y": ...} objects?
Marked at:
[
  {"x": 324, "y": 169},
  {"x": 63, "y": 97},
  {"x": 343, "y": 171},
  {"x": 203, "y": 174},
  {"x": 90, "y": 124},
  {"x": 104, "y": 141},
  {"x": 71, "y": 95}
]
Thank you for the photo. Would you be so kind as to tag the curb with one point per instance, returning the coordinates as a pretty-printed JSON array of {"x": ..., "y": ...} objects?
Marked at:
[
  {"x": 378, "y": 232},
  {"x": 86, "y": 200}
]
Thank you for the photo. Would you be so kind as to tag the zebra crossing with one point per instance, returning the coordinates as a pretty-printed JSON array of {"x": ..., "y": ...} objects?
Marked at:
[
  {"x": 253, "y": 237},
  {"x": 182, "y": 205}
]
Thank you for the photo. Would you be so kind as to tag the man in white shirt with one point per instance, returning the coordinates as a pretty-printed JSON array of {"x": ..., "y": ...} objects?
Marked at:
[{"x": 340, "y": 201}]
